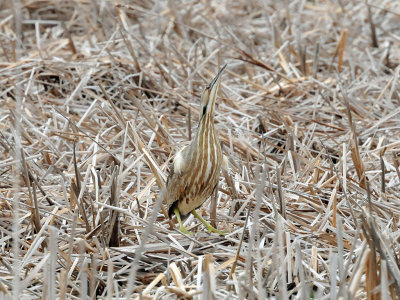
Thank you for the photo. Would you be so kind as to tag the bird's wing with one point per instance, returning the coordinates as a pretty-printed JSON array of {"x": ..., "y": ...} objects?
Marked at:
[
  {"x": 225, "y": 163},
  {"x": 176, "y": 179},
  {"x": 181, "y": 162}
]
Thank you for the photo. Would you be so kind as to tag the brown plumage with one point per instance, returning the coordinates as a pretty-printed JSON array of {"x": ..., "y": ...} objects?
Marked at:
[{"x": 197, "y": 166}]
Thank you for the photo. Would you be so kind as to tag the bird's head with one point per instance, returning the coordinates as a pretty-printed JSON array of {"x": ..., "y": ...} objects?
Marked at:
[{"x": 209, "y": 95}]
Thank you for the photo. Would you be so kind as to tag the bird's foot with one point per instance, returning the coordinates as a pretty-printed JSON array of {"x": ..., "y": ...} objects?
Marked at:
[
  {"x": 181, "y": 227},
  {"x": 184, "y": 230},
  {"x": 209, "y": 227}
]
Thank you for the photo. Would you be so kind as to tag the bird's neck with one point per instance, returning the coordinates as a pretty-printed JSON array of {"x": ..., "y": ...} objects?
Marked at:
[
  {"x": 206, "y": 127},
  {"x": 206, "y": 123}
]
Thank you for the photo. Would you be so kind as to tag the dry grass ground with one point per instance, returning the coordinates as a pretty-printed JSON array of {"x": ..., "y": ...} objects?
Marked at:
[{"x": 96, "y": 97}]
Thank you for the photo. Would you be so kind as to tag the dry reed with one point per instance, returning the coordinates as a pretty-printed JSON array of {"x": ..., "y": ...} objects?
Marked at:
[{"x": 97, "y": 96}]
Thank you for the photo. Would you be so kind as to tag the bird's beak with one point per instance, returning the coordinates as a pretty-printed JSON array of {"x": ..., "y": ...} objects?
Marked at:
[
  {"x": 216, "y": 80},
  {"x": 210, "y": 94}
]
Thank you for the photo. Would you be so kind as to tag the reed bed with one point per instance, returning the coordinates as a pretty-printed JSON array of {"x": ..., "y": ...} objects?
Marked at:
[{"x": 96, "y": 97}]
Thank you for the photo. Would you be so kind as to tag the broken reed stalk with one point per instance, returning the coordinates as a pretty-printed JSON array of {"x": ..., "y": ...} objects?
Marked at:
[{"x": 374, "y": 39}]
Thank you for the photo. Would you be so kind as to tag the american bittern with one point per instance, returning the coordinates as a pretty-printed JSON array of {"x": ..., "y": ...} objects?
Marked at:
[{"x": 197, "y": 166}]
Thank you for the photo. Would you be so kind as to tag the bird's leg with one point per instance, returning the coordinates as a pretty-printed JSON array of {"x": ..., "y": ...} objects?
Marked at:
[
  {"x": 208, "y": 225},
  {"x": 181, "y": 227}
]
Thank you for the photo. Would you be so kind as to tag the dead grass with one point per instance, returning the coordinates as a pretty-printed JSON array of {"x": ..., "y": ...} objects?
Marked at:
[{"x": 97, "y": 96}]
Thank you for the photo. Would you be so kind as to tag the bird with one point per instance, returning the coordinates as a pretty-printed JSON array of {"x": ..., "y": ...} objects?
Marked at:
[{"x": 196, "y": 167}]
